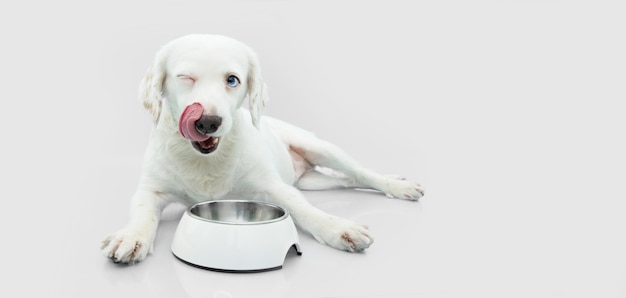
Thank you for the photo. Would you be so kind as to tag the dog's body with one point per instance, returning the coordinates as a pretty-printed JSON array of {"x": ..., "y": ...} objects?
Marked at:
[{"x": 206, "y": 147}]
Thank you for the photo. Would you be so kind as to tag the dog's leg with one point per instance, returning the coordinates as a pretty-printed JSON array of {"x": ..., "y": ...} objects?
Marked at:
[
  {"x": 133, "y": 243},
  {"x": 321, "y": 153},
  {"x": 327, "y": 229},
  {"x": 315, "y": 179},
  {"x": 328, "y": 179}
]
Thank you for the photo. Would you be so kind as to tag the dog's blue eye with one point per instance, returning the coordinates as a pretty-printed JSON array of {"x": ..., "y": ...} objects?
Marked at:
[{"x": 232, "y": 81}]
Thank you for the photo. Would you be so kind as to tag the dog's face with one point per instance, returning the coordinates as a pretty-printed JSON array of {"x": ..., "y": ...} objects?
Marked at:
[{"x": 204, "y": 79}]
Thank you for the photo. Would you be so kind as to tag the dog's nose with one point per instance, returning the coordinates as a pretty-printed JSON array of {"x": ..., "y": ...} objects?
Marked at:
[{"x": 208, "y": 124}]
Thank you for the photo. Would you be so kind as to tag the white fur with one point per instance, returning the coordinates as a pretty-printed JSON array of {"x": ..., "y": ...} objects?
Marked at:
[{"x": 257, "y": 157}]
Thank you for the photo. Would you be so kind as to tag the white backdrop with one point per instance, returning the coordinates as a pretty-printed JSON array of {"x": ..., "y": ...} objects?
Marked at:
[{"x": 511, "y": 114}]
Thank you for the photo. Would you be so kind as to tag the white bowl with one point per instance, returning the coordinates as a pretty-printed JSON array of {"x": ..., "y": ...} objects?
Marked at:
[{"x": 235, "y": 236}]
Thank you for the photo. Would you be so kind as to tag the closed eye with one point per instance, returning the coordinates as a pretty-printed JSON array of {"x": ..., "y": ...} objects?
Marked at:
[{"x": 186, "y": 78}]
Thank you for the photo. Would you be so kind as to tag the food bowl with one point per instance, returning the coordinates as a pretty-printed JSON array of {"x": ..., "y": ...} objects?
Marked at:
[{"x": 235, "y": 236}]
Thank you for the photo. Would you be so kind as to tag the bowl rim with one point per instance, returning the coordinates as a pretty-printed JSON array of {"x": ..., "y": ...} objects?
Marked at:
[{"x": 248, "y": 223}]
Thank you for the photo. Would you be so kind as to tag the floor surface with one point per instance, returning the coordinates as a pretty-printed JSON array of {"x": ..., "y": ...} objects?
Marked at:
[{"x": 510, "y": 114}]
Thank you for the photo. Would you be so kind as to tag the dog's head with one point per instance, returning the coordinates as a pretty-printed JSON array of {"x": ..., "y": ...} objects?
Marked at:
[{"x": 204, "y": 79}]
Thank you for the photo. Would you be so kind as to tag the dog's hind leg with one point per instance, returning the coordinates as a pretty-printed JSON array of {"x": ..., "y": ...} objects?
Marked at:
[
  {"x": 325, "y": 179},
  {"x": 305, "y": 146},
  {"x": 320, "y": 178},
  {"x": 324, "y": 154}
]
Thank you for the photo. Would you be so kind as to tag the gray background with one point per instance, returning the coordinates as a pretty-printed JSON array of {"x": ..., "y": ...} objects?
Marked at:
[{"x": 510, "y": 113}]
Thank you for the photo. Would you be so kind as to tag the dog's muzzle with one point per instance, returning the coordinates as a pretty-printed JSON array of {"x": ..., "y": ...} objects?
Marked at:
[{"x": 196, "y": 127}]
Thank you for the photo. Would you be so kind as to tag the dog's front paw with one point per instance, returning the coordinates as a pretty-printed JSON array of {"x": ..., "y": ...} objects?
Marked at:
[
  {"x": 399, "y": 187},
  {"x": 345, "y": 235},
  {"x": 127, "y": 246}
]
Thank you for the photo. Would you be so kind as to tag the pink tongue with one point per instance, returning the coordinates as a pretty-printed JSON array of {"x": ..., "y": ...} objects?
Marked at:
[{"x": 187, "y": 124}]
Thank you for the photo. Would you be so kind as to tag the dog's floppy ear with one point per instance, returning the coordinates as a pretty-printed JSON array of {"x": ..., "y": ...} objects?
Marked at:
[
  {"x": 151, "y": 86},
  {"x": 257, "y": 90}
]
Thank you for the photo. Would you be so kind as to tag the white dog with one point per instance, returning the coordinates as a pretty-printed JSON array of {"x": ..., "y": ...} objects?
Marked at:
[{"x": 206, "y": 147}]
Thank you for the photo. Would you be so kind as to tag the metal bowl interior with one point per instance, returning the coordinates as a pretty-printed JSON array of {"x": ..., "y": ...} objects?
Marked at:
[{"x": 237, "y": 212}]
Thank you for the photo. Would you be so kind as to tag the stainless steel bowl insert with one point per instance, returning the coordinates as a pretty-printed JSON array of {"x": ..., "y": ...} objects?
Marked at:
[{"x": 238, "y": 212}]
